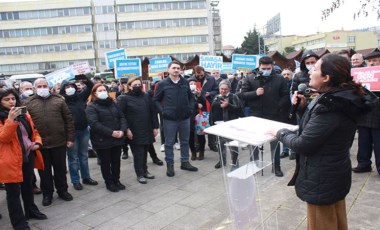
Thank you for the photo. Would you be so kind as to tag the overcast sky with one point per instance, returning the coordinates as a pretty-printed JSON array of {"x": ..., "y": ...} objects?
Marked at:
[{"x": 298, "y": 17}]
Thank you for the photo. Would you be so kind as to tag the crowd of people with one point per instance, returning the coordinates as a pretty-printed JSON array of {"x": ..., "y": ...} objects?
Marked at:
[{"x": 42, "y": 126}]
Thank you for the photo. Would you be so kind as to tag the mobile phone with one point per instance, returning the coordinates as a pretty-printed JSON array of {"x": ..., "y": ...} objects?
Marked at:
[
  {"x": 198, "y": 85},
  {"x": 22, "y": 110}
]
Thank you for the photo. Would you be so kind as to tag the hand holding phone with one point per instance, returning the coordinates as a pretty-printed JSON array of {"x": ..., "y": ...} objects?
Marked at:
[{"x": 21, "y": 110}]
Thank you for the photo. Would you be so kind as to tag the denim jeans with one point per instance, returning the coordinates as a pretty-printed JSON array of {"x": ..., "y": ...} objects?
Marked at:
[
  {"x": 171, "y": 128},
  {"x": 77, "y": 156}
]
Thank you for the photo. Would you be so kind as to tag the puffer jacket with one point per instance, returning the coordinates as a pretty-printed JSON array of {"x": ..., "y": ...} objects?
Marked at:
[
  {"x": 52, "y": 118},
  {"x": 104, "y": 117},
  {"x": 11, "y": 158},
  {"x": 323, "y": 171}
]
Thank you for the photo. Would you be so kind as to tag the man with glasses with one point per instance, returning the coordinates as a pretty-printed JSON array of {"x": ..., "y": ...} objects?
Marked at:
[{"x": 267, "y": 95}]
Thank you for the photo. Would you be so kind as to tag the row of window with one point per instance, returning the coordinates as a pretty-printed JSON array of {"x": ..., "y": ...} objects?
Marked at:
[
  {"x": 144, "y": 7},
  {"x": 41, "y": 66},
  {"x": 36, "y": 14},
  {"x": 104, "y": 10},
  {"x": 107, "y": 44},
  {"x": 163, "y": 23},
  {"x": 45, "y": 31},
  {"x": 163, "y": 41},
  {"x": 105, "y": 26},
  {"x": 46, "y": 48}
]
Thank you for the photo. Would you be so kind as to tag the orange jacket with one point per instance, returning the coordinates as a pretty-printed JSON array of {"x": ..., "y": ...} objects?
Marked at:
[{"x": 11, "y": 152}]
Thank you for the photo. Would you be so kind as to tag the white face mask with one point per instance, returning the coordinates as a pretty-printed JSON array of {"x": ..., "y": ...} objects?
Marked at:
[
  {"x": 309, "y": 67},
  {"x": 27, "y": 93},
  {"x": 102, "y": 95},
  {"x": 70, "y": 91},
  {"x": 193, "y": 87},
  {"x": 230, "y": 76},
  {"x": 43, "y": 92}
]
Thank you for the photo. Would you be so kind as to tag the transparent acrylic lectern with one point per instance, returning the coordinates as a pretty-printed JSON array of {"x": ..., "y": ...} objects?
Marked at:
[{"x": 242, "y": 140}]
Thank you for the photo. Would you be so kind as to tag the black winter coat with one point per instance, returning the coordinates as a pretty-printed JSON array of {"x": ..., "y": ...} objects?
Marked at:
[
  {"x": 104, "y": 117},
  {"x": 274, "y": 101},
  {"x": 174, "y": 101},
  {"x": 233, "y": 111},
  {"x": 77, "y": 104},
  {"x": 323, "y": 171},
  {"x": 141, "y": 116}
]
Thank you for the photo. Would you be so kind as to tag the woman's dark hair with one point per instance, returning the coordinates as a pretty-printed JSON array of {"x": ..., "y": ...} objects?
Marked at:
[
  {"x": 6, "y": 92},
  {"x": 339, "y": 70}
]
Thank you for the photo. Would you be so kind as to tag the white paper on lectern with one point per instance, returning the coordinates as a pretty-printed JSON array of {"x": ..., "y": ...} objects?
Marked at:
[{"x": 251, "y": 130}]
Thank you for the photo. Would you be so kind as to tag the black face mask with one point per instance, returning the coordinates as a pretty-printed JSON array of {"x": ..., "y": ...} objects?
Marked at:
[{"x": 136, "y": 90}]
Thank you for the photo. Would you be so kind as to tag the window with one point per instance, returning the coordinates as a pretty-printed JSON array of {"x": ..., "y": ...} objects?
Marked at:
[{"x": 351, "y": 39}]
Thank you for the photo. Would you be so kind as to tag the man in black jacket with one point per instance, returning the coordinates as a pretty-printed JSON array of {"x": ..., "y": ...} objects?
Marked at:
[
  {"x": 77, "y": 154},
  {"x": 267, "y": 96},
  {"x": 174, "y": 100},
  {"x": 308, "y": 60}
]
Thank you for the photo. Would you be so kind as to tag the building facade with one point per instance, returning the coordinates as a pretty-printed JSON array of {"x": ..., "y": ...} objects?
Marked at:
[
  {"x": 333, "y": 41},
  {"x": 43, "y": 36}
]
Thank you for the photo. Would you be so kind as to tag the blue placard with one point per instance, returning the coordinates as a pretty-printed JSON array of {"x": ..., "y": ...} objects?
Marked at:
[
  {"x": 210, "y": 63},
  {"x": 245, "y": 62},
  {"x": 128, "y": 68},
  {"x": 114, "y": 55},
  {"x": 227, "y": 68},
  {"x": 60, "y": 75},
  {"x": 159, "y": 65}
]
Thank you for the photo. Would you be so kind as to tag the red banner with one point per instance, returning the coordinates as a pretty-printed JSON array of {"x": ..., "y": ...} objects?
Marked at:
[{"x": 368, "y": 76}]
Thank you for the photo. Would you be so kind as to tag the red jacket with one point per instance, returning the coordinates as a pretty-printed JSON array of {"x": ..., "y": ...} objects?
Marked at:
[{"x": 11, "y": 152}]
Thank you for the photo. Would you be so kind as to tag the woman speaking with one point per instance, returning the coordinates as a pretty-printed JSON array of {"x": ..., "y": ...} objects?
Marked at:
[{"x": 323, "y": 173}]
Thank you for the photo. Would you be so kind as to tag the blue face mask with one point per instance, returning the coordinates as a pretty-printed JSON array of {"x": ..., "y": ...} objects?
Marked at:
[{"x": 266, "y": 73}]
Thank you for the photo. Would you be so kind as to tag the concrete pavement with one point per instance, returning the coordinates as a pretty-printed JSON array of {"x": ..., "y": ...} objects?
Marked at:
[{"x": 194, "y": 200}]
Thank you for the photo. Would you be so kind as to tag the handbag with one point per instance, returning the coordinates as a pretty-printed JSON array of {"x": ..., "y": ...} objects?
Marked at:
[{"x": 202, "y": 120}]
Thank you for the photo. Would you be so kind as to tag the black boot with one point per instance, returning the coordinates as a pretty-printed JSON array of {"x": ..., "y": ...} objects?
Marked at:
[
  {"x": 170, "y": 170},
  {"x": 91, "y": 153},
  {"x": 193, "y": 155},
  {"x": 187, "y": 166},
  {"x": 278, "y": 172},
  {"x": 157, "y": 161},
  {"x": 201, "y": 155}
]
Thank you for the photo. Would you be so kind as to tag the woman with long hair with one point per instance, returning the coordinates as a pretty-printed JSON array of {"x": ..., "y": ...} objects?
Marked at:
[
  {"x": 107, "y": 128},
  {"x": 323, "y": 171},
  {"x": 142, "y": 118},
  {"x": 19, "y": 154}
]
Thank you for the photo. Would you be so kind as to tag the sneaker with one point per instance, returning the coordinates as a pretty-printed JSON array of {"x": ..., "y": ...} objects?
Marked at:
[
  {"x": 187, "y": 166},
  {"x": 149, "y": 176},
  {"x": 78, "y": 186},
  {"x": 162, "y": 149},
  {"x": 177, "y": 146},
  {"x": 141, "y": 180}
]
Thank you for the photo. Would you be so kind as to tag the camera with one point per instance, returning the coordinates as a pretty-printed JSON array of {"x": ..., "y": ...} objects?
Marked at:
[
  {"x": 220, "y": 99},
  {"x": 260, "y": 77}
]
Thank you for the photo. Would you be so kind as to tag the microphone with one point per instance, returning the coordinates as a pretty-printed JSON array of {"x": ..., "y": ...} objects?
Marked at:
[{"x": 301, "y": 90}]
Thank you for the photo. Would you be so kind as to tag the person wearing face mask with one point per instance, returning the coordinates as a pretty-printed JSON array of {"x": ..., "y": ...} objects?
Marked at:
[
  {"x": 55, "y": 124},
  {"x": 141, "y": 115},
  {"x": 308, "y": 60},
  {"x": 107, "y": 133},
  {"x": 26, "y": 90},
  {"x": 77, "y": 155},
  {"x": 199, "y": 105},
  {"x": 267, "y": 95}
]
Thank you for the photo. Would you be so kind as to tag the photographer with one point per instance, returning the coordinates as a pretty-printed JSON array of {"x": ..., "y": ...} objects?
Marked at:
[
  {"x": 225, "y": 107},
  {"x": 267, "y": 95}
]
